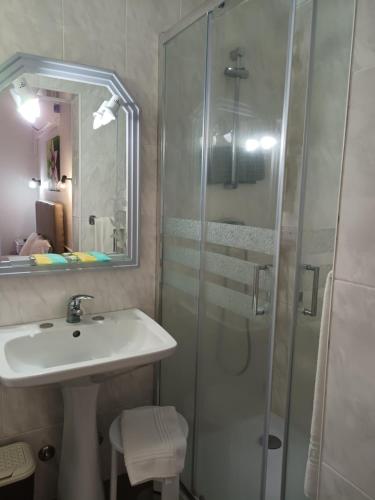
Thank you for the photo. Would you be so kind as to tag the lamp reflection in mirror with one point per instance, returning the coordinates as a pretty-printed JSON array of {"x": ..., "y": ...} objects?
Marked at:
[
  {"x": 34, "y": 183},
  {"x": 62, "y": 182},
  {"x": 26, "y": 100},
  {"x": 107, "y": 112}
]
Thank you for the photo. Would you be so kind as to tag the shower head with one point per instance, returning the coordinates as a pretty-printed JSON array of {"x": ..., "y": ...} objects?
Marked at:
[
  {"x": 236, "y": 72},
  {"x": 235, "y": 54}
]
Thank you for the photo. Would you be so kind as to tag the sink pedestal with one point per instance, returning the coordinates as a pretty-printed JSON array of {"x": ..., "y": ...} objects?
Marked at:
[{"x": 79, "y": 475}]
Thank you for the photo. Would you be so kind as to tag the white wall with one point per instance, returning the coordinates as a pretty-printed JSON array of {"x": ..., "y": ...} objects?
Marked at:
[{"x": 17, "y": 166}]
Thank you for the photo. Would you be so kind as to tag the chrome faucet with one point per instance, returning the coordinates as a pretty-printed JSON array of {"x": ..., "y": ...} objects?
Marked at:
[{"x": 74, "y": 311}]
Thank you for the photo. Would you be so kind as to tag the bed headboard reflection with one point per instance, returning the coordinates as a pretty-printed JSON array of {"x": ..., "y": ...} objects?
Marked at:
[{"x": 50, "y": 223}]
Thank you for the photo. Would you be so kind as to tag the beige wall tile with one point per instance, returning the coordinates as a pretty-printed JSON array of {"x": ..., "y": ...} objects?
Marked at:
[
  {"x": 188, "y": 6},
  {"x": 145, "y": 20},
  {"x": 364, "y": 47},
  {"x": 356, "y": 241},
  {"x": 349, "y": 435},
  {"x": 34, "y": 298},
  {"x": 30, "y": 409},
  {"x": 94, "y": 33},
  {"x": 335, "y": 487},
  {"x": 126, "y": 391},
  {"x": 32, "y": 26}
]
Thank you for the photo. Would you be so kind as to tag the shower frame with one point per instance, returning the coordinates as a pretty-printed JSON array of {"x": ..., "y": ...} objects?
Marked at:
[{"x": 206, "y": 11}]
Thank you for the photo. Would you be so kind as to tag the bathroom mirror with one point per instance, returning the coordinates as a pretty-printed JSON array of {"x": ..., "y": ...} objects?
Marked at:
[{"x": 69, "y": 153}]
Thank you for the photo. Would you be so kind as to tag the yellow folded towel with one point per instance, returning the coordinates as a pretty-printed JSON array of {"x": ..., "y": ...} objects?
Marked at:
[{"x": 85, "y": 257}]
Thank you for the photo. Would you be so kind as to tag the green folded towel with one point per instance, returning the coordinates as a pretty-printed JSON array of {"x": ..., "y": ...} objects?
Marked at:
[
  {"x": 87, "y": 257},
  {"x": 100, "y": 256}
]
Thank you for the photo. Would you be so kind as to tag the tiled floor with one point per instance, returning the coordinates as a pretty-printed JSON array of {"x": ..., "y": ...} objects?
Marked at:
[{"x": 126, "y": 492}]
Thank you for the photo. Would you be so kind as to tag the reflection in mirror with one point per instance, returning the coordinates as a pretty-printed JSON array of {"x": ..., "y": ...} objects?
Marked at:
[
  {"x": 59, "y": 175},
  {"x": 63, "y": 159}
]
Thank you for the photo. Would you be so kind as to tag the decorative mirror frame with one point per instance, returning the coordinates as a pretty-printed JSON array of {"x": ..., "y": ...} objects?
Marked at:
[{"x": 21, "y": 63}]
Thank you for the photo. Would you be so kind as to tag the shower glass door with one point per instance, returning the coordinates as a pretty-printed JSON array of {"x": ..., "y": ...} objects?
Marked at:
[
  {"x": 224, "y": 115},
  {"x": 246, "y": 69},
  {"x": 183, "y": 103},
  {"x": 325, "y": 133}
]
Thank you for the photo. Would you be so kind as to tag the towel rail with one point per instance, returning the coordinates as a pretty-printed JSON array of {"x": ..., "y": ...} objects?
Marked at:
[{"x": 92, "y": 219}]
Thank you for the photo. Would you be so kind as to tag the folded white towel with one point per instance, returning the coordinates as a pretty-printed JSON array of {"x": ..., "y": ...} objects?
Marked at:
[
  {"x": 104, "y": 234},
  {"x": 153, "y": 442},
  {"x": 312, "y": 466}
]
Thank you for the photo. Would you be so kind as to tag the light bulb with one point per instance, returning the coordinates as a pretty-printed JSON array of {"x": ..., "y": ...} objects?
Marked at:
[
  {"x": 30, "y": 109},
  {"x": 268, "y": 142},
  {"x": 252, "y": 145},
  {"x": 34, "y": 183},
  {"x": 97, "y": 121},
  {"x": 106, "y": 113},
  {"x": 107, "y": 117},
  {"x": 26, "y": 100}
]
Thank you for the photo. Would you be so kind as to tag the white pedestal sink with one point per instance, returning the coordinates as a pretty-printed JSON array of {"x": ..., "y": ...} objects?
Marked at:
[{"x": 78, "y": 356}]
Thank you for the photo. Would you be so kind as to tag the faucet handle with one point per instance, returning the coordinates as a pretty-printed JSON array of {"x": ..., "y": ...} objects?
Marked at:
[
  {"x": 75, "y": 300},
  {"x": 74, "y": 307}
]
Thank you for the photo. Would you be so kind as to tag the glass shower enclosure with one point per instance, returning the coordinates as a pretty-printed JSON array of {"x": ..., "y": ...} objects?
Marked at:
[{"x": 234, "y": 118}]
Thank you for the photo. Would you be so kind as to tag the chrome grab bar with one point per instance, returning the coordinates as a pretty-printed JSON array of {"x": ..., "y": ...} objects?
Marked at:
[
  {"x": 315, "y": 288},
  {"x": 258, "y": 311}
]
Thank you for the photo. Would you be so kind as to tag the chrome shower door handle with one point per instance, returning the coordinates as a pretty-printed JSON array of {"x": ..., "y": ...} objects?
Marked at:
[
  {"x": 315, "y": 288},
  {"x": 258, "y": 311}
]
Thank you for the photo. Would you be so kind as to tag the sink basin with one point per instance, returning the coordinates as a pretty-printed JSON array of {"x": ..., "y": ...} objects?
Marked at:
[
  {"x": 79, "y": 356},
  {"x": 31, "y": 355}
]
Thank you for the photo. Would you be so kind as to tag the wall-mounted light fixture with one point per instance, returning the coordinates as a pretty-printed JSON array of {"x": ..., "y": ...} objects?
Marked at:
[
  {"x": 106, "y": 113},
  {"x": 26, "y": 100},
  {"x": 62, "y": 183},
  {"x": 65, "y": 178},
  {"x": 34, "y": 183}
]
